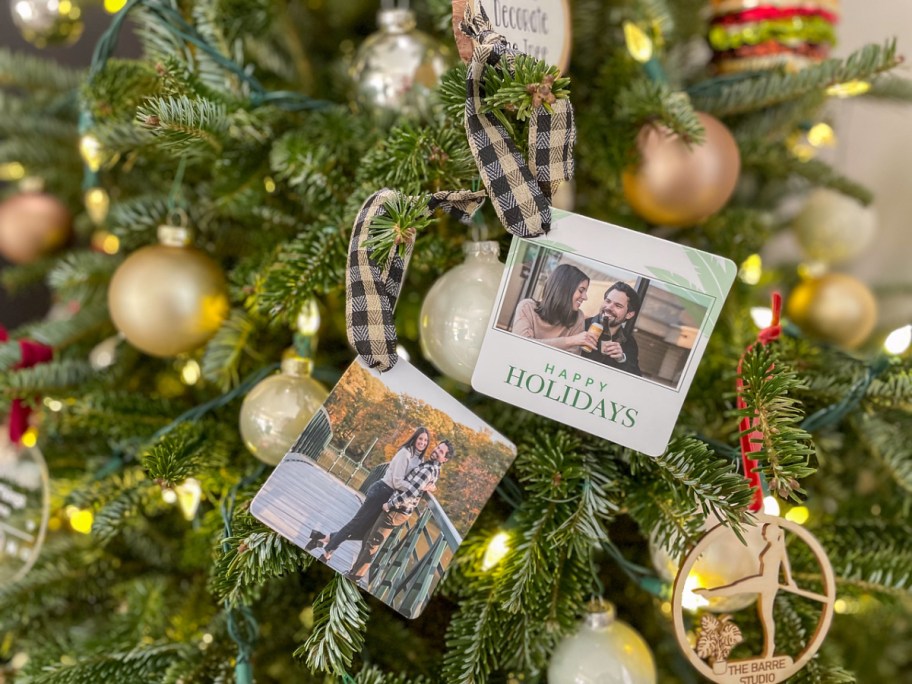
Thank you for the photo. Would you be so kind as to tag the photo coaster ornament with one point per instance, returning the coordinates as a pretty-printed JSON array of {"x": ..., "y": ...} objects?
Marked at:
[
  {"x": 24, "y": 508},
  {"x": 718, "y": 652},
  {"x": 385, "y": 481},
  {"x": 602, "y": 328}
]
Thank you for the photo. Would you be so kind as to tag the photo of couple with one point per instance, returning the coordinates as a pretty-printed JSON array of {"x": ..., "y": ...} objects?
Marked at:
[
  {"x": 385, "y": 481},
  {"x": 602, "y": 313}
]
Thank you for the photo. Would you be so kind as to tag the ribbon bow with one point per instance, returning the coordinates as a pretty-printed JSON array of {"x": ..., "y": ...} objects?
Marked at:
[
  {"x": 520, "y": 192},
  {"x": 372, "y": 291}
]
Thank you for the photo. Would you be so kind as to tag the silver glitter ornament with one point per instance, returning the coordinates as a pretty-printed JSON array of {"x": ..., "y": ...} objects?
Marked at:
[{"x": 397, "y": 68}]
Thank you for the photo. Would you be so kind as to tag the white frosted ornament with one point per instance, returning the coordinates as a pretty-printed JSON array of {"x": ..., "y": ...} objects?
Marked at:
[
  {"x": 724, "y": 561},
  {"x": 456, "y": 311},
  {"x": 278, "y": 408},
  {"x": 603, "y": 651},
  {"x": 397, "y": 68},
  {"x": 833, "y": 228}
]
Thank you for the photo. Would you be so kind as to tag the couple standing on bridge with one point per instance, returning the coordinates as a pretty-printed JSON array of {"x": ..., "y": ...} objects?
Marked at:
[{"x": 389, "y": 502}]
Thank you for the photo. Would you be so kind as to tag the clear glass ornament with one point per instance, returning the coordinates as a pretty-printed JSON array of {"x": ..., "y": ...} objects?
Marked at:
[
  {"x": 397, "y": 68},
  {"x": 48, "y": 22},
  {"x": 605, "y": 650},
  {"x": 278, "y": 409},
  {"x": 456, "y": 311},
  {"x": 724, "y": 561},
  {"x": 25, "y": 498}
]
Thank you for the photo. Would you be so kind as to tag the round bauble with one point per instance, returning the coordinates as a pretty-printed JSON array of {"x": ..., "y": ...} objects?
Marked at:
[
  {"x": 725, "y": 560},
  {"x": 832, "y": 228},
  {"x": 456, "y": 311},
  {"x": 170, "y": 298},
  {"x": 604, "y": 650},
  {"x": 397, "y": 68},
  {"x": 277, "y": 410},
  {"x": 32, "y": 224},
  {"x": 48, "y": 22},
  {"x": 24, "y": 515},
  {"x": 835, "y": 308},
  {"x": 680, "y": 184}
]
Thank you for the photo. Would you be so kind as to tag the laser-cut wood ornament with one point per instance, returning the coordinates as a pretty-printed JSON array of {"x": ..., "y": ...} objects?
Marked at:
[{"x": 717, "y": 637}]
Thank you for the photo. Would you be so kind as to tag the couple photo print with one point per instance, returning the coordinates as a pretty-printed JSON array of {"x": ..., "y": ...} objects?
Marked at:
[
  {"x": 385, "y": 481},
  {"x": 602, "y": 328}
]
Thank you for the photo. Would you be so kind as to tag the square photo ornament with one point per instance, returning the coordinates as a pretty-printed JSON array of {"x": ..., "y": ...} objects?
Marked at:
[
  {"x": 385, "y": 481},
  {"x": 602, "y": 328}
]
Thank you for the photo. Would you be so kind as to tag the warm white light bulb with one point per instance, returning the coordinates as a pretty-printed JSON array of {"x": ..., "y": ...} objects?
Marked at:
[
  {"x": 498, "y": 548},
  {"x": 899, "y": 340},
  {"x": 762, "y": 316}
]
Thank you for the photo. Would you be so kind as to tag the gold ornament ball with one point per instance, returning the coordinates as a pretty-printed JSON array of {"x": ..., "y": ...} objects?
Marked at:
[
  {"x": 680, "y": 184},
  {"x": 277, "y": 410},
  {"x": 835, "y": 308},
  {"x": 32, "y": 224},
  {"x": 167, "y": 300}
]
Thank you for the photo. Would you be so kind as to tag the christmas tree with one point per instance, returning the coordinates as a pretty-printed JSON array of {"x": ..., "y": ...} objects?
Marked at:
[{"x": 256, "y": 130}]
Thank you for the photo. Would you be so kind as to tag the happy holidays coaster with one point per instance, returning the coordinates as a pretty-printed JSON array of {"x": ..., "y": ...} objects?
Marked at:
[
  {"x": 602, "y": 328},
  {"x": 385, "y": 481}
]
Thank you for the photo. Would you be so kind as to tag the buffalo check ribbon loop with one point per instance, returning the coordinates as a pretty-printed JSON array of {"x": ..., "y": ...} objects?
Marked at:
[
  {"x": 520, "y": 192},
  {"x": 372, "y": 289}
]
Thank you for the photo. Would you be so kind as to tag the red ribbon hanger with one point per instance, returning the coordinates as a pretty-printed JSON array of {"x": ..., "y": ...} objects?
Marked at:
[
  {"x": 752, "y": 439},
  {"x": 32, "y": 353}
]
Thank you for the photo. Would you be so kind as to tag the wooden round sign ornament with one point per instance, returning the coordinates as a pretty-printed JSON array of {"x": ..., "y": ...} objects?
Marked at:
[
  {"x": 539, "y": 28},
  {"x": 718, "y": 636}
]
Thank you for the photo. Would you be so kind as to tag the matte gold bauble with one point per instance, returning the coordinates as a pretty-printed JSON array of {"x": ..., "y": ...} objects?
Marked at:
[
  {"x": 276, "y": 411},
  {"x": 680, "y": 184},
  {"x": 835, "y": 308},
  {"x": 32, "y": 224},
  {"x": 170, "y": 298}
]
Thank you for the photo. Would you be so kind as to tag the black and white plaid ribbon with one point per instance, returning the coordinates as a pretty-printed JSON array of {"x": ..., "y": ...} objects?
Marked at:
[
  {"x": 520, "y": 192},
  {"x": 372, "y": 291}
]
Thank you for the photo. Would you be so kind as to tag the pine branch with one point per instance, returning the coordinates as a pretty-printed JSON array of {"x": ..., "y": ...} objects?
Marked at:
[
  {"x": 186, "y": 127},
  {"x": 184, "y": 451},
  {"x": 778, "y": 161},
  {"x": 142, "y": 664},
  {"x": 886, "y": 438},
  {"x": 891, "y": 89},
  {"x": 403, "y": 219},
  {"x": 414, "y": 160},
  {"x": 532, "y": 83},
  {"x": 644, "y": 101},
  {"x": 250, "y": 558},
  {"x": 786, "y": 448},
  {"x": 126, "y": 504},
  {"x": 225, "y": 350},
  {"x": 88, "y": 320},
  {"x": 340, "y": 614},
  {"x": 47, "y": 378},
  {"x": 82, "y": 276},
  {"x": 36, "y": 75},
  {"x": 737, "y": 96},
  {"x": 700, "y": 479},
  {"x": 473, "y": 639},
  {"x": 313, "y": 263}
]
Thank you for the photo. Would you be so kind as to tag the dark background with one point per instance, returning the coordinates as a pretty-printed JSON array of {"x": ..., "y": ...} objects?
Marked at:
[{"x": 32, "y": 303}]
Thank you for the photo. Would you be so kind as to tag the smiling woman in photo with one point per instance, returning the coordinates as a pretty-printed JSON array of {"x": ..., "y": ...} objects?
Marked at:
[{"x": 557, "y": 320}]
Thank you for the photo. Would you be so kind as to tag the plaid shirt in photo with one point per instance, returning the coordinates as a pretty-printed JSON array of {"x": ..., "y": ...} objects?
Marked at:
[{"x": 406, "y": 500}]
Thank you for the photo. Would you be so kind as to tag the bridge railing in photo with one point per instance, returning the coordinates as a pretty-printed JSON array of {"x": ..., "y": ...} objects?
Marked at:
[{"x": 411, "y": 560}]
